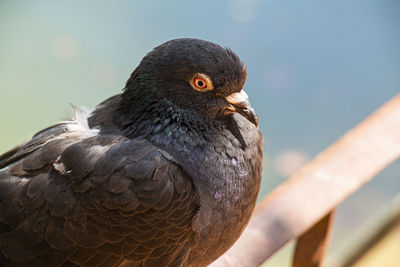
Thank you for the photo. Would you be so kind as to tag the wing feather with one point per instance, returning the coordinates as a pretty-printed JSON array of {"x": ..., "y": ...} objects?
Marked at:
[{"x": 69, "y": 197}]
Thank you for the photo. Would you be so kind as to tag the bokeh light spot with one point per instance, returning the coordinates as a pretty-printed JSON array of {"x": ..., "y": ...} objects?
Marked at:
[
  {"x": 288, "y": 162},
  {"x": 242, "y": 10},
  {"x": 64, "y": 47}
]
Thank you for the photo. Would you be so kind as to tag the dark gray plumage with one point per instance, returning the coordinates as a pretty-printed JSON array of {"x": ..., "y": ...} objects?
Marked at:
[{"x": 165, "y": 174}]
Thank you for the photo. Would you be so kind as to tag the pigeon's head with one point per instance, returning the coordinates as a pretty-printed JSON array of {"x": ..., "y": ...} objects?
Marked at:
[{"x": 193, "y": 75}]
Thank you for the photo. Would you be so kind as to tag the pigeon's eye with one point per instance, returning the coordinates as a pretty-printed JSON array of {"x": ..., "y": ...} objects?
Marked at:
[{"x": 201, "y": 83}]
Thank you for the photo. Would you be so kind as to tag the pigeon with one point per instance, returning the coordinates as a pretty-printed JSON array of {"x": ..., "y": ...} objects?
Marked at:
[{"x": 164, "y": 174}]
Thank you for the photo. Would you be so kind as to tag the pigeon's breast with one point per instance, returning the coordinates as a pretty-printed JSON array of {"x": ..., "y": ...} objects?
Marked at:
[{"x": 228, "y": 185}]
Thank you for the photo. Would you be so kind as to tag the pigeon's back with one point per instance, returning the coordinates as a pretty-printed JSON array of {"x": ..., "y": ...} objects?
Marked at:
[{"x": 73, "y": 197}]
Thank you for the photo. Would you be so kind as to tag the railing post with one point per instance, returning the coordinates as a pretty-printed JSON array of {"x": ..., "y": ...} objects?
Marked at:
[{"x": 312, "y": 245}]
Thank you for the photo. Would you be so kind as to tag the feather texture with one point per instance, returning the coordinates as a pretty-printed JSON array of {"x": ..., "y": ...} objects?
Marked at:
[
  {"x": 98, "y": 206},
  {"x": 161, "y": 175}
]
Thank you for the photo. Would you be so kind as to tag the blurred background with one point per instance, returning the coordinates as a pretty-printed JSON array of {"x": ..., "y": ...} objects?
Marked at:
[{"x": 316, "y": 69}]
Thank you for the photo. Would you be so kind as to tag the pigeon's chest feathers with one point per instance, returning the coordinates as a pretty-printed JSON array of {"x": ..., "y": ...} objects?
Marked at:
[
  {"x": 225, "y": 166},
  {"x": 222, "y": 161},
  {"x": 226, "y": 170}
]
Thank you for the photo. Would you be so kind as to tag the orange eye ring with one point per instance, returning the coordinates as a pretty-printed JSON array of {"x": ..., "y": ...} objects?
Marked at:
[{"x": 201, "y": 82}]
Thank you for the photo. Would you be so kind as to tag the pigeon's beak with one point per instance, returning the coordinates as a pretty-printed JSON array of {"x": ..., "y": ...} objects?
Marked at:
[{"x": 239, "y": 102}]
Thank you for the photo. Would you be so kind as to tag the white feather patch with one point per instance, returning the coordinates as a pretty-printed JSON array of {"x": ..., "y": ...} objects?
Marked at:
[
  {"x": 79, "y": 127},
  {"x": 80, "y": 123}
]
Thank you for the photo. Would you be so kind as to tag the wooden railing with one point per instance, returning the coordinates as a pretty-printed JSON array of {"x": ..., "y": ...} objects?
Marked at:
[{"x": 302, "y": 208}]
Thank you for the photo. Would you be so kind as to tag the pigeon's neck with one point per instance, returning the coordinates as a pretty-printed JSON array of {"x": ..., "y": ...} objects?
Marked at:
[
  {"x": 221, "y": 155},
  {"x": 168, "y": 126},
  {"x": 190, "y": 138}
]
